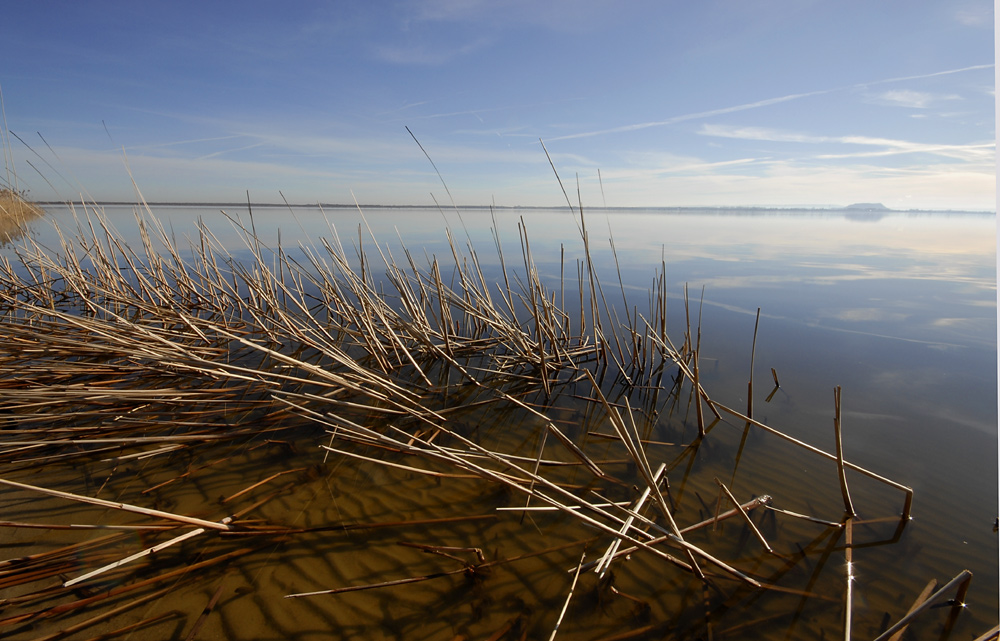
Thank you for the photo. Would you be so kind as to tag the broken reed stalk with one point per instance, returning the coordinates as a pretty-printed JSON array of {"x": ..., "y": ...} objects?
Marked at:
[
  {"x": 445, "y": 550},
  {"x": 434, "y": 451},
  {"x": 107, "y": 614},
  {"x": 639, "y": 456},
  {"x": 437, "y": 575},
  {"x": 204, "y": 614},
  {"x": 572, "y": 588},
  {"x": 133, "y": 557},
  {"x": 849, "y": 588},
  {"x": 79, "y": 526},
  {"x": 173, "y": 575},
  {"x": 848, "y": 505},
  {"x": 259, "y": 483},
  {"x": 749, "y": 505},
  {"x": 753, "y": 353},
  {"x": 921, "y": 598},
  {"x": 746, "y": 517},
  {"x": 990, "y": 635},
  {"x": 135, "y": 626},
  {"x": 605, "y": 563},
  {"x": 908, "y": 501},
  {"x": 804, "y": 517}
]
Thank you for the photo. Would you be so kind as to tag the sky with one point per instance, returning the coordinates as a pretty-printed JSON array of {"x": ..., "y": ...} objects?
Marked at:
[{"x": 666, "y": 103}]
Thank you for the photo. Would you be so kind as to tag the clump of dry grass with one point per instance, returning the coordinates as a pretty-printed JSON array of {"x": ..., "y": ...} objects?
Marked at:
[{"x": 15, "y": 212}]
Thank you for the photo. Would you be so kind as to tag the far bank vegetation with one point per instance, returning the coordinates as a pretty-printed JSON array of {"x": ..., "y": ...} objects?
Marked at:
[{"x": 15, "y": 212}]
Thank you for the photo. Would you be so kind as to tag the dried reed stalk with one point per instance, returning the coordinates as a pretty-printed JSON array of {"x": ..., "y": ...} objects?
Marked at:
[
  {"x": 107, "y": 614},
  {"x": 962, "y": 580},
  {"x": 605, "y": 563},
  {"x": 849, "y": 587},
  {"x": 847, "y": 464},
  {"x": 121, "y": 506},
  {"x": 569, "y": 596},
  {"x": 746, "y": 517},
  {"x": 133, "y": 557},
  {"x": 848, "y": 505},
  {"x": 990, "y": 635},
  {"x": 921, "y": 598}
]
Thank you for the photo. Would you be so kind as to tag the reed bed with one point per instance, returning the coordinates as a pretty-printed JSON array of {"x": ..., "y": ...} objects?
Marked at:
[
  {"x": 157, "y": 367},
  {"x": 15, "y": 214}
]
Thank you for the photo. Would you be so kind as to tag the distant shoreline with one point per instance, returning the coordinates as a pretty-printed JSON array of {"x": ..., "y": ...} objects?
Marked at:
[{"x": 851, "y": 210}]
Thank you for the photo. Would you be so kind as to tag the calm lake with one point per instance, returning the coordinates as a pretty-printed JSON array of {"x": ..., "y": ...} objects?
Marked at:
[{"x": 898, "y": 309}]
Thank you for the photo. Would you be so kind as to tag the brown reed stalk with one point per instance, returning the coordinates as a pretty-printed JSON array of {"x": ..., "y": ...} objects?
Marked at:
[
  {"x": 962, "y": 581},
  {"x": 921, "y": 598},
  {"x": 481, "y": 566},
  {"x": 849, "y": 587},
  {"x": 120, "y": 506},
  {"x": 672, "y": 539},
  {"x": 136, "y": 626},
  {"x": 746, "y": 517},
  {"x": 990, "y": 635},
  {"x": 569, "y": 596},
  {"x": 749, "y": 505},
  {"x": 804, "y": 517},
  {"x": 605, "y": 563},
  {"x": 643, "y": 465},
  {"x": 107, "y": 614},
  {"x": 848, "y": 505},
  {"x": 815, "y": 450},
  {"x": 259, "y": 483},
  {"x": 204, "y": 614},
  {"x": 133, "y": 557},
  {"x": 753, "y": 354}
]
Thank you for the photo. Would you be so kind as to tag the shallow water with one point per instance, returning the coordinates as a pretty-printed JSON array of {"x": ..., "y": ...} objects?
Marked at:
[{"x": 900, "y": 311}]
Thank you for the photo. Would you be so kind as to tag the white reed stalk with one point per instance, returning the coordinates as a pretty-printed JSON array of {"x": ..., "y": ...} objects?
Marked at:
[
  {"x": 121, "y": 506},
  {"x": 138, "y": 555}
]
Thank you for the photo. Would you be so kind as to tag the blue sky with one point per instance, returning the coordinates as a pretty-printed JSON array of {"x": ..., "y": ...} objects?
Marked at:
[{"x": 675, "y": 103}]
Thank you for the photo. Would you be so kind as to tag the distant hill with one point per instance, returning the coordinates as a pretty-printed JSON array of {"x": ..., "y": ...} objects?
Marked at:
[{"x": 867, "y": 207}]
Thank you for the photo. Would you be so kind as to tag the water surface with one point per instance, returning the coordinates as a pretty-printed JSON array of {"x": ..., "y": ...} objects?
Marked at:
[{"x": 898, "y": 310}]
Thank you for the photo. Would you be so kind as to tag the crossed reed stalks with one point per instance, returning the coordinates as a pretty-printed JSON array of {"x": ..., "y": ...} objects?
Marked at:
[{"x": 148, "y": 352}]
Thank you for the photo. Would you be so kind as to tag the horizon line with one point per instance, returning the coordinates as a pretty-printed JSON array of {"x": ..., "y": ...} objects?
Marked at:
[{"x": 855, "y": 207}]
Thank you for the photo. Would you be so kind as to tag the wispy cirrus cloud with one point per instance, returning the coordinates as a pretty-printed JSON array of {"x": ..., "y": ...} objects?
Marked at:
[
  {"x": 573, "y": 16},
  {"x": 651, "y": 166},
  {"x": 178, "y": 143},
  {"x": 758, "y": 133},
  {"x": 911, "y": 99},
  {"x": 426, "y": 55},
  {"x": 786, "y": 183},
  {"x": 972, "y": 152},
  {"x": 974, "y": 16}
]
